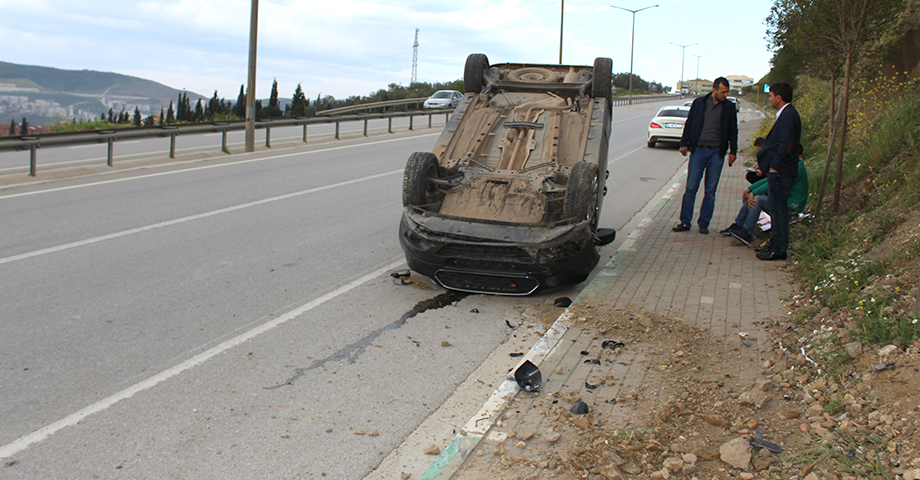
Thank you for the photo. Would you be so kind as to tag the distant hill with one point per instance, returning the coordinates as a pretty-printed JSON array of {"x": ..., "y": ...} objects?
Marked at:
[{"x": 89, "y": 82}]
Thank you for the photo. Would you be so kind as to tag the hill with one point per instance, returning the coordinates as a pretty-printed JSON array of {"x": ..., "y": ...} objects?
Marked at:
[{"x": 87, "y": 82}]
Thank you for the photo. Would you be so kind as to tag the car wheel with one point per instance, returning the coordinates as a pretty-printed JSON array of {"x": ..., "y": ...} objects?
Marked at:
[
  {"x": 580, "y": 200},
  {"x": 417, "y": 189},
  {"x": 651, "y": 144},
  {"x": 476, "y": 66},
  {"x": 600, "y": 84}
]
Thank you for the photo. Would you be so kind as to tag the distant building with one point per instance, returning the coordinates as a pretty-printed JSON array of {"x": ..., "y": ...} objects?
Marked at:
[
  {"x": 695, "y": 86},
  {"x": 737, "y": 82}
]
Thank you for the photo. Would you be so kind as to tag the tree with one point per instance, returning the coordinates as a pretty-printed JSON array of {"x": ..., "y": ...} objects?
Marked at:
[
  {"x": 162, "y": 117},
  {"x": 199, "y": 112},
  {"x": 830, "y": 35},
  {"x": 111, "y": 116},
  {"x": 240, "y": 108},
  {"x": 298, "y": 103},
  {"x": 273, "y": 99},
  {"x": 24, "y": 127},
  {"x": 12, "y": 128},
  {"x": 170, "y": 114},
  {"x": 137, "y": 116},
  {"x": 213, "y": 107}
]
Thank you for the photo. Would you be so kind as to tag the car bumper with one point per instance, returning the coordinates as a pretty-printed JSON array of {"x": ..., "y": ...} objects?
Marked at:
[
  {"x": 498, "y": 259},
  {"x": 664, "y": 135},
  {"x": 436, "y": 106}
]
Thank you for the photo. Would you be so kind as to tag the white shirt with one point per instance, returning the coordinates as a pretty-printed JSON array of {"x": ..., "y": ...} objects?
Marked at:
[{"x": 781, "y": 110}]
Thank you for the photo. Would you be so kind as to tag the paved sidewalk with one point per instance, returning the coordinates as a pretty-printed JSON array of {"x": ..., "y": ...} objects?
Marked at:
[{"x": 709, "y": 282}]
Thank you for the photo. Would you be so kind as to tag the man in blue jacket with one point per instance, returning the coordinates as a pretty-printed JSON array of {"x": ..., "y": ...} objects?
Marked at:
[
  {"x": 779, "y": 158},
  {"x": 710, "y": 131}
]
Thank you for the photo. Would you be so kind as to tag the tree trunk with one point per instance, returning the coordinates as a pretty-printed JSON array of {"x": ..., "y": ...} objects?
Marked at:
[{"x": 844, "y": 104}]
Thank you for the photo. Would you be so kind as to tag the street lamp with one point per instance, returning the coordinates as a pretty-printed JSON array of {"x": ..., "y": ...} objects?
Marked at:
[
  {"x": 698, "y": 57},
  {"x": 683, "y": 48},
  {"x": 633, "y": 43}
]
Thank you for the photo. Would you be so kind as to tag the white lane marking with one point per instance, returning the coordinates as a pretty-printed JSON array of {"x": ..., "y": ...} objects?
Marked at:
[
  {"x": 189, "y": 218},
  {"x": 240, "y": 162},
  {"x": 24, "y": 442},
  {"x": 621, "y": 157}
]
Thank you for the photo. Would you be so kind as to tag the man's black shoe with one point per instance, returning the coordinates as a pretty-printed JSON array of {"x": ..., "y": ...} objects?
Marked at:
[
  {"x": 744, "y": 237},
  {"x": 771, "y": 256},
  {"x": 728, "y": 231},
  {"x": 681, "y": 227},
  {"x": 704, "y": 229},
  {"x": 766, "y": 248}
]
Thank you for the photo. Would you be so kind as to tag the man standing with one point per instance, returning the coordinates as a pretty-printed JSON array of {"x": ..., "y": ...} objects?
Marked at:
[
  {"x": 779, "y": 160},
  {"x": 711, "y": 130}
]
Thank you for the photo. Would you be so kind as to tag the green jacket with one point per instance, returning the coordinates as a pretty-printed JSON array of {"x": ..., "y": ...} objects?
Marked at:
[{"x": 798, "y": 194}]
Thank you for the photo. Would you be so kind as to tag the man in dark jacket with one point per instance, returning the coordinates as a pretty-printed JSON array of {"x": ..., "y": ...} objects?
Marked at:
[
  {"x": 779, "y": 160},
  {"x": 710, "y": 131}
]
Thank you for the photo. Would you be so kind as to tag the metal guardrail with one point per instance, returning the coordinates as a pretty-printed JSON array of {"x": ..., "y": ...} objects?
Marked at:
[
  {"x": 33, "y": 143},
  {"x": 373, "y": 105}
]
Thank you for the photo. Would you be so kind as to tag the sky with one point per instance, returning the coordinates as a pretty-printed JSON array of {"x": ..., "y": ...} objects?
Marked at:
[{"x": 356, "y": 47}]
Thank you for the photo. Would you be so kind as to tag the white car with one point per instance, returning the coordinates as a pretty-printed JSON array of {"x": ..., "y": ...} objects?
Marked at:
[
  {"x": 668, "y": 125},
  {"x": 443, "y": 99}
]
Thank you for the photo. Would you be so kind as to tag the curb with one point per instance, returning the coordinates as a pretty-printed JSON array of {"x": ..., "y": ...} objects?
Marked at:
[{"x": 452, "y": 457}]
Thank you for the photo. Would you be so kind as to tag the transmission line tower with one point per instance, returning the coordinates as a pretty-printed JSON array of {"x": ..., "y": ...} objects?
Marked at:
[{"x": 415, "y": 59}]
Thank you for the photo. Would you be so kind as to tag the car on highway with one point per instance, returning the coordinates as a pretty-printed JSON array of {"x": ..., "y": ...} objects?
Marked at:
[
  {"x": 735, "y": 102},
  {"x": 668, "y": 125},
  {"x": 508, "y": 200},
  {"x": 443, "y": 99}
]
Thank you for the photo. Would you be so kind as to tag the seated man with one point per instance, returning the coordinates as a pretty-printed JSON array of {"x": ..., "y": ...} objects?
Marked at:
[{"x": 754, "y": 200}]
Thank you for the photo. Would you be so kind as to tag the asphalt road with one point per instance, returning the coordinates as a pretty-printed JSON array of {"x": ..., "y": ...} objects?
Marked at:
[{"x": 234, "y": 317}]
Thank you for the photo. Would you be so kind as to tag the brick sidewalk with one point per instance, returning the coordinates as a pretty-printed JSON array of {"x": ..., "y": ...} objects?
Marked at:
[{"x": 710, "y": 282}]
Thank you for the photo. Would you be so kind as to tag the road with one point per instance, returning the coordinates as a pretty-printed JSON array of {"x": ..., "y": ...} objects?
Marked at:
[{"x": 233, "y": 317}]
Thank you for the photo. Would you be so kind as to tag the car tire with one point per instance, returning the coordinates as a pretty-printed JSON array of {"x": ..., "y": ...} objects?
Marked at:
[
  {"x": 476, "y": 66},
  {"x": 651, "y": 144},
  {"x": 581, "y": 193},
  {"x": 602, "y": 77},
  {"x": 417, "y": 190}
]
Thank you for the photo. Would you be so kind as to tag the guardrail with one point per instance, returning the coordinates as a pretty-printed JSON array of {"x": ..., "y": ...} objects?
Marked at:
[{"x": 33, "y": 143}]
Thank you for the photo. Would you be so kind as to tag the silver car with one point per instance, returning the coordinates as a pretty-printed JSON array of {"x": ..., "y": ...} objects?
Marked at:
[{"x": 443, "y": 99}]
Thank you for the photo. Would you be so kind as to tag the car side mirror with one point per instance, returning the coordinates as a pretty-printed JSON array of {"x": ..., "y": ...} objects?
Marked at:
[{"x": 604, "y": 236}]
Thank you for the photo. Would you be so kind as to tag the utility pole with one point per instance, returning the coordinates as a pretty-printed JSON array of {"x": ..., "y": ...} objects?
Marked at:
[
  {"x": 683, "y": 48},
  {"x": 251, "y": 80},
  {"x": 561, "y": 17},
  {"x": 632, "y": 45},
  {"x": 414, "y": 60}
]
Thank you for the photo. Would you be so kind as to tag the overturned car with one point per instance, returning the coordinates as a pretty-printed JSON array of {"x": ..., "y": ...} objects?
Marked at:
[{"x": 508, "y": 200}]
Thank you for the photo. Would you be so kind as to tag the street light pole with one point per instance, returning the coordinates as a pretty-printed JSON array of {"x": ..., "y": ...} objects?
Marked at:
[
  {"x": 561, "y": 18},
  {"x": 683, "y": 49},
  {"x": 251, "y": 80},
  {"x": 698, "y": 57},
  {"x": 632, "y": 44}
]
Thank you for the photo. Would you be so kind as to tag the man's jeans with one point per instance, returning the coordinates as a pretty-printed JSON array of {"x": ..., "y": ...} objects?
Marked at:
[
  {"x": 778, "y": 191},
  {"x": 748, "y": 217},
  {"x": 708, "y": 162}
]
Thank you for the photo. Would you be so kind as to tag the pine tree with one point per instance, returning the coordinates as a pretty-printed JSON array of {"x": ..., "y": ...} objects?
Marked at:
[
  {"x": 213, "y": 107},
  {"x": 199, "y": 112},
  {"x": 273, "y": 99},
  {"x": 12, "y": 127},
  {"x": 240, "y": 108},
  {"x": 170, "y": 114},
  {"x": 161, "y": 117},
  {"x": 24, "y": 127},
  {"x": 137, "y": 116},
  {"x": 111, "y": 116},
  {"x": 298, "y": 103}
]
